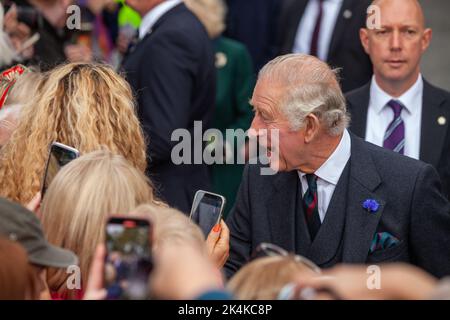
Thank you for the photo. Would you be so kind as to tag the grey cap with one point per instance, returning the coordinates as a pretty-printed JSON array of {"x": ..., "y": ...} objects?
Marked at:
[{"x": 22, "y": 226}]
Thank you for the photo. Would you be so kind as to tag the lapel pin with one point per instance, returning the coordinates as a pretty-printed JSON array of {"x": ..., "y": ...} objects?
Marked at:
[
  {"x": 348, "y": 14},
  {"x": 221, "y": 60},
  {"x": 442, "y": 121},
  {"x": 371, "y": 205}
]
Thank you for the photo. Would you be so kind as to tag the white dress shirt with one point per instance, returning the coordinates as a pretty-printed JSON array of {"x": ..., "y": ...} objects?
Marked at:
[
  {"x": 380, "y": 115},
  {"x": 149, "y": 20},
  {"x": 302, "y": 44},
  {"x": 329, "y": 173}
]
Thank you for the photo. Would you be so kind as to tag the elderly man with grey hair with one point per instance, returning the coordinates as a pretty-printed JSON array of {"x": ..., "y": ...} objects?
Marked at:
[{"x": 335, "y": 198}]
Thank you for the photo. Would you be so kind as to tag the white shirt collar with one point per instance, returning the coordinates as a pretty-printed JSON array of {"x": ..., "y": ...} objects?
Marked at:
[
  {"x": 149, "y": 20},
  {"x": 331, "y": 170},
  {"x": 379, "y": 98}
]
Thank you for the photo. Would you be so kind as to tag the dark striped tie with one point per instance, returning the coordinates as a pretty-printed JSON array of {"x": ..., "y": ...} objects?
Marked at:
[
  {"x": 311, "y": 206},
  {"x": 394, "y": 138}
]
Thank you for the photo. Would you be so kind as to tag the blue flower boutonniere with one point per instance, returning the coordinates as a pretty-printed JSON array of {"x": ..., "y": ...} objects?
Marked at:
[{"x": 371, "y": 205}]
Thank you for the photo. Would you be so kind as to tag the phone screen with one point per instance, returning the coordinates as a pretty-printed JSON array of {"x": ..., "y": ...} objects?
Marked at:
[
  {"x": 59, "y": 156},
  {"x": 128, "y": 262},
  {"x": 207, "y": 210}
]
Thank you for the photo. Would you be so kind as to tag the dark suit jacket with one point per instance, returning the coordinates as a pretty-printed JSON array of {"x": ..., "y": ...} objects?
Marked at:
[
  {"x": 173, "y": 76},
  {"x": 345, "y": 51},
  {"x": 435, "y": 138},
  {"x": 254, "y": 23},
  {"x": 412, "y": 209}
]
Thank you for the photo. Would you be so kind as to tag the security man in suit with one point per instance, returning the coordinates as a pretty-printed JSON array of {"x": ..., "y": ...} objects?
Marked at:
[{"x": 399, "y": 109}]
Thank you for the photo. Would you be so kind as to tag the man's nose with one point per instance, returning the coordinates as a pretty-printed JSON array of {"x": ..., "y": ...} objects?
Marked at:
[
  {"x": 396, "y": 41},
  {"x": 255, "y": 127}
]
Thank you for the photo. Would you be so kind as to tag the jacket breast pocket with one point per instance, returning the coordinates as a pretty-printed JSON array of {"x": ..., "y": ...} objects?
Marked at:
[{"x": 396, "y": 253}]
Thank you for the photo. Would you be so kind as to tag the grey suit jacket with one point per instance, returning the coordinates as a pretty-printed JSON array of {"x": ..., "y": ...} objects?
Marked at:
[{"x": 412, "y": 209}]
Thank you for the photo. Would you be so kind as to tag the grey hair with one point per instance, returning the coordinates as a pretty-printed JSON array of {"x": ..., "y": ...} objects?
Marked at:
[{"x": 310, "y": 87}]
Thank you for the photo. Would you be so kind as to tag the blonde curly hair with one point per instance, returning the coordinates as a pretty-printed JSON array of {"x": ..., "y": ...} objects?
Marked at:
[{"x": 86, "y": 106}]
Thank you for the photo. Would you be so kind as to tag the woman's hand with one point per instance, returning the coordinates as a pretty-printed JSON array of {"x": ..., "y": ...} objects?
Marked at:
[
  {"x": 35, "y": 204},
  {"x": 218, "y": 244},
  {"x": 94, "y": 288}
]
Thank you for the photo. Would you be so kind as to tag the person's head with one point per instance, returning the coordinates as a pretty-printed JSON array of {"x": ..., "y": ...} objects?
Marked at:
[
  {"x": 397, "y": 45},
  {"x": 143, "y": 6},
  {"x": 22, "y": 226},
  {"x": 299, "y": 96},
  {"x": 80, "y": 199},
  {"x": 170, "y": 226},
  {"x": 211, "y": 13},
  {"x": 85, "y": 106},
  {"x": 19, "y": 93},
  {"x": 263, "y": 278}
]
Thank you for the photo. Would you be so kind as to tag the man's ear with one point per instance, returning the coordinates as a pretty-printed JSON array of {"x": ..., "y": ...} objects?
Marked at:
[
  {"x": 312, "y": 127},
  {"x": 364, "y": 36},
  {"x": 426, "y": 39}
]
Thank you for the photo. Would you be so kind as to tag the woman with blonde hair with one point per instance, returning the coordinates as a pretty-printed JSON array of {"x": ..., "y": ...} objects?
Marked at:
[
  {"x": 85, "y": 106},
  {"x": 78, "y": 202}
]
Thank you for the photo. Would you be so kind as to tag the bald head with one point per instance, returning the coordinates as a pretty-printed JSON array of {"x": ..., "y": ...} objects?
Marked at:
[
  {"x": 411, "y": 7},
  {"x": 396, "y": 44}
]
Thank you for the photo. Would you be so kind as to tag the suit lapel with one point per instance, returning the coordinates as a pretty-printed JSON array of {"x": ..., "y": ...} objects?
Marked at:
[
  {"x": 328, "y": 239},
  {"x": 360, "y": 224},
  {"x": 432, "y": 132},
  {"x": 283, "y": 196},
  {"x": 158, "y": 23},
  {"x": 340, "y": 27},
  {"x": 358, "y": 104}
]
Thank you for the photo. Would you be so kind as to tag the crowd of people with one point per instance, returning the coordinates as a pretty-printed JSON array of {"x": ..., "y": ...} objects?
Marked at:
[{"x": 357, "y": 204}]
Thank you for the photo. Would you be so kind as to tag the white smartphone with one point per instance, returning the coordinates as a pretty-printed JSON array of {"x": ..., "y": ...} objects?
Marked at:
[{"x": 207, "y": 210}]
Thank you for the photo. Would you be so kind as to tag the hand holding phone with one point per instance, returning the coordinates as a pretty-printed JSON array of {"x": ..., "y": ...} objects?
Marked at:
[
  {"x": 207, "y": 210},
  {"x": 59, "y": 156},
  {"x": 128, "y": 261}
]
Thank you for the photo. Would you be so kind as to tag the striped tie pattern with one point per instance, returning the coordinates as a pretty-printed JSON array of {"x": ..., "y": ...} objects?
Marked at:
[
  {"x": 394, "y": 138},
  {"x": 311, "y": 208}
]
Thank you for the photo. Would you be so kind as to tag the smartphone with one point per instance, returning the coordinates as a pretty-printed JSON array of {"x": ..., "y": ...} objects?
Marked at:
[
  {"x": 128, "y": 261},
  {"x": 207, "y": 210},
  {"x": 59, "y": 155}
]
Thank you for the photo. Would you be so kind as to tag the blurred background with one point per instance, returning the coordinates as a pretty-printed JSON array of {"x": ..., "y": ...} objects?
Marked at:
[{"x": 436, "y": 63}]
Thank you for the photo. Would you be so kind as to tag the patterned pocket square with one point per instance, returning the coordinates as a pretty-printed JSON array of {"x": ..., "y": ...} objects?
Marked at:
[{"x": 382, "y": 241}]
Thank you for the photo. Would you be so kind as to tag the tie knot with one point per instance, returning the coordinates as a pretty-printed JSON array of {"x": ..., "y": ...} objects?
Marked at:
[
  {"x": 396, "y": 106},
  {"x": 312, "y": 181}
]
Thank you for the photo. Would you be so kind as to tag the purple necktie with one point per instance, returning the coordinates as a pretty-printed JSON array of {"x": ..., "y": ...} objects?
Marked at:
[
  {"x": 394, "y": 139},
  {"x": 315, "y": 37}
]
